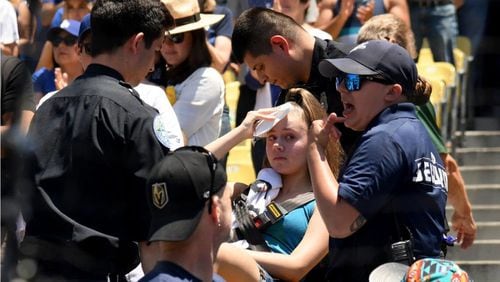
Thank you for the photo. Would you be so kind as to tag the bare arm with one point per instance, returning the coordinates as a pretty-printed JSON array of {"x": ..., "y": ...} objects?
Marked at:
[
  {"x": 347, "y": 219},
  {"x": 220, "y": 52},
  {"x": 24, "y": 20},
  {"x": 325, "y": 12},
  {"x": 26, "y": 117},
  {"x": 10, "y": 49},
  {"x": 311, "y": 250},
  {"x": 335, "y": 23},
  {"x": 462, "y": 220},
  {"x": 400, "y": 9},
  {"x": 365, "y": 12},
  {"x": 46, "y": 57}
]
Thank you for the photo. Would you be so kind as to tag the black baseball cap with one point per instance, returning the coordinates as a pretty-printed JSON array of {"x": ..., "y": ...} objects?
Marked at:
[
  {"x": 375, "y": 57},
  {"x": 178, "y": 188}
]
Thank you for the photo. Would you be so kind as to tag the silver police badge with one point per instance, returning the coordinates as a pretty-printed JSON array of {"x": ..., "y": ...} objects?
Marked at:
[{"x": 160, "y": 195}]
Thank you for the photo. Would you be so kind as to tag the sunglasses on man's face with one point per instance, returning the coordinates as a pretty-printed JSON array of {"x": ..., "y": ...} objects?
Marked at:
[
  {"x": 177, "y": 38},
  {"x": 352, "y": 82}
]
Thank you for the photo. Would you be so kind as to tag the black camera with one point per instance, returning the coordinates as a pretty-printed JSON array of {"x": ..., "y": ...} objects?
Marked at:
[{"x": 402, "y": 252}]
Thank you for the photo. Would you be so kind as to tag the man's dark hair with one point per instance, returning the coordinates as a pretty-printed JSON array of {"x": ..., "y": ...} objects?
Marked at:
[
  {"x": 255, "y": 27},
  {"x": 115, "y": 21}
]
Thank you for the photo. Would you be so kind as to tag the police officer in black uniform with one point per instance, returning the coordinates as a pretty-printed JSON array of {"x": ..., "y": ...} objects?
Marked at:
[{"x": 93, "y": 144}]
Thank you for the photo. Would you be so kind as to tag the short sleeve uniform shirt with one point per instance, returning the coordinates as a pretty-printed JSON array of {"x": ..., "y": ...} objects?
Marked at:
[
  {"x": 394, "y": 175},
  {"x": 94, "y": 143}
]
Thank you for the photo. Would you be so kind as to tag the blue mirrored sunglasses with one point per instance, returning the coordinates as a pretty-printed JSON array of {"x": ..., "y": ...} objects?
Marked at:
[{"x": 352, "y": 82}]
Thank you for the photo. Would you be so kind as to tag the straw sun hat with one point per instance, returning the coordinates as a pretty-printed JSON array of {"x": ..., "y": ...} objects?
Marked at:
[{"x": 187, "y": 16}]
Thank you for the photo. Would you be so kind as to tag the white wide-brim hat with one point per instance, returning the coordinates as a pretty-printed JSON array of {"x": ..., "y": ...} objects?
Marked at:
[{"x": 187, "y": 16}]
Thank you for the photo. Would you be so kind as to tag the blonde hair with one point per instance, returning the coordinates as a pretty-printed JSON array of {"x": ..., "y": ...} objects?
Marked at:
[
  {"x": 313, "y": 110},
  {"x": 305, "y": 104},
  {"x": 391, "y": 28}
]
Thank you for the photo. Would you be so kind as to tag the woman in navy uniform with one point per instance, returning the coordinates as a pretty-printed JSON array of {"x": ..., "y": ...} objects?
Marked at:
[{"x": 389, "y": 201}]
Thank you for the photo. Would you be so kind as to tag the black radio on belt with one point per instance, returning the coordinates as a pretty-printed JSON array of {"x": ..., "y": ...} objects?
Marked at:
[{"x": 402, "y": 252}]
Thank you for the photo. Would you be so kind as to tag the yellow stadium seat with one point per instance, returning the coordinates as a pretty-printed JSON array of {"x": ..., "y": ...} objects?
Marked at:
[
  {"x": 464, "y": 44},
  {"x": 445, "y": 72},
  {"x": 239, "y": 166},
  {"x": 232, "y": 96},
  {"x": 425, "y": 56},
  {"x": 229, "y": 76},
  {"x": 438, "y": 98},
  {"x": 442, "y": 70}
]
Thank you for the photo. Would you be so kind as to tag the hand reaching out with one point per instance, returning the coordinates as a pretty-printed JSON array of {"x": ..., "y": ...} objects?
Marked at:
[
  {"x": 365, "y": 12},
  {"x": 465, "y": 227},
  {"x": 61, "y": 79},
  {"x": 347, "y": 7}
]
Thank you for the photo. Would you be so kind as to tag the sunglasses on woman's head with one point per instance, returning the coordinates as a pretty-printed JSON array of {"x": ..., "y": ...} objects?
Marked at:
[
  {"x": 177, "y": 38},
  {"x": 68, "y": 40},
  {"x": 352, "y": 82}
]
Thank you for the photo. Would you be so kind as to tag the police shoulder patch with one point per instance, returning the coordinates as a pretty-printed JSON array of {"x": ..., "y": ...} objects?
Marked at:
[{"x": 167, "y": 131}]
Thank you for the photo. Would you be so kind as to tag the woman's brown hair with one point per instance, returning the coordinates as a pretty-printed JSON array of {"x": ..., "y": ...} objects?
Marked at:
[{"x": 198, "y": 57}]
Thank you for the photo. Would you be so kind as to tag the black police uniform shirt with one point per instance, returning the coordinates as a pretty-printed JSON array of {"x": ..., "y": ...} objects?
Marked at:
[
  {"x": 94, "y": 144},
  {"x": 165, "y": 271},
  {"x": 323, "y": 88},
  {"x": 394, "y": 175}
]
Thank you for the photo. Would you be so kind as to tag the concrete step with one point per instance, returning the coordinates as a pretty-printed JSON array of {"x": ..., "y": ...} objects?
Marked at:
[
  {"x": 481, "y": 174},
  {"x": 481, "y": 271},
  {"x": 483, "y": 194},
  {"x": 480, "y": 250},
  {"x": 478, "y": 138},
  {"x": 486, "y": 123},
  {"x": 478, "y": 156},
  {"x": 480, "y": 212}
]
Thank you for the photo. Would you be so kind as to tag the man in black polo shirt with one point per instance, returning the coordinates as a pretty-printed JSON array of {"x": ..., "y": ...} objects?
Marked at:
[
  {"x": 94, "y": 143},
  {"x": 282, "y": 53}
]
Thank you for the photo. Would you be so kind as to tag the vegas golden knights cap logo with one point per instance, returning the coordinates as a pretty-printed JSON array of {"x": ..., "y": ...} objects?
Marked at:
[{"x": 160, "y": 196}]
